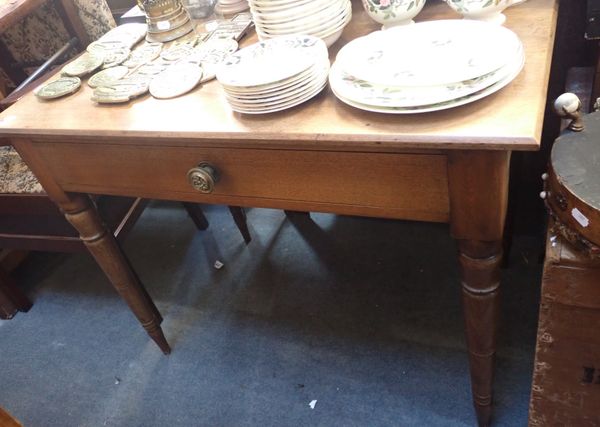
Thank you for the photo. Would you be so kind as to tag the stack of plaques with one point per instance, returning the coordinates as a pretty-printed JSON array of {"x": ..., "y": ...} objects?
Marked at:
[{"x": 120, "y": 70}]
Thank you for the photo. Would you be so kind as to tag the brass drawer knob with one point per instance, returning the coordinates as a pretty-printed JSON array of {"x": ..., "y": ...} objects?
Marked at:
[{"x": 203, "y": 177}]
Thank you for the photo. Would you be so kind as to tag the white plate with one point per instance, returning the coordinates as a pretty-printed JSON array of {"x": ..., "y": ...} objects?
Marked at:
[
  {"x": 320, "y": 23},
  {"x": 231, "y": 9},
  {"x": 330, "y": 35},
  {"x": 283, "y": 106},
  {"x": 429, "y": 53},
  {"x": 300, "y": 16},
  {"x": 271, "y": 87},
  {"x": 315, "y": 73},
  {"x": 279, "y": 96},
  {"x": 271, "y": 61},
  {"x": 289, "y": 13},
  {"x": 364, "y": 92},
  {"x": 276, "y": 101},
  {"x": 274, "y": 6},
  {"x": 442, "y": 106}
]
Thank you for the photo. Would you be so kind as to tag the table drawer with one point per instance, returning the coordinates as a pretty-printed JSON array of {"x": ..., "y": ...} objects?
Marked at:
[{"x": 411, "y": 186}]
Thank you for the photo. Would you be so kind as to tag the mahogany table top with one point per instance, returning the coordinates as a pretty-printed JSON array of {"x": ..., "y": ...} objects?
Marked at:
[{"x": 508, "y": 120}]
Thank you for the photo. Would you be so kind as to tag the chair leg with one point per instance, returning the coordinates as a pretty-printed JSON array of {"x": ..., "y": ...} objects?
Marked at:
[
  {"x": 196, "y": 214},
  {"x": 11, "y": 298},
  {"x": 239, "y": 217}
]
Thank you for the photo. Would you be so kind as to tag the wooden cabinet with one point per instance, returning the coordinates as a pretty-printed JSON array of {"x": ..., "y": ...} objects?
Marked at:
[{"x": 566, "y": 381}]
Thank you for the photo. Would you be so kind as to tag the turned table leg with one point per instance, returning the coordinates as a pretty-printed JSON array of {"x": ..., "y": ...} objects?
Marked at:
[
  {"x": 478, "y": 184},
  {"x": 480, "y": 279},
  {"x": 83, "y": 215}
]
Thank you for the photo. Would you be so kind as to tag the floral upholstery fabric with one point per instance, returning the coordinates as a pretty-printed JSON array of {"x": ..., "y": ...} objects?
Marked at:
[
  {"x": 42, "y": 33},
  {"x": 15, "y": 176},
  {"x": 37, "y": 36},
  {"x": 96, "y": 17},
  {"x": 33, "y": 40}
]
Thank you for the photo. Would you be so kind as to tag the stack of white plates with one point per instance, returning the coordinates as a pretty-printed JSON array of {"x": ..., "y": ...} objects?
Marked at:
[
  {"x": 275, "y": 74},
  {"x": 426, "y": 67},
  {"x": 325, "y": 19},
  {"x": 231, "y": 7}
]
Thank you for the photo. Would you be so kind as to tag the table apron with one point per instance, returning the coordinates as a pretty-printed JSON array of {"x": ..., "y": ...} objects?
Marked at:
[{"x": 393, "y": 185}]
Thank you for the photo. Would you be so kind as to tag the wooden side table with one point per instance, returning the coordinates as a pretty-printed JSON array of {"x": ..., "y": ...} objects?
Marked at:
[{"x": 450, "y": 166}]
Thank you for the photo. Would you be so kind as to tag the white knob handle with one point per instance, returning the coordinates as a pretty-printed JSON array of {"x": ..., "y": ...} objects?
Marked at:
[{"x": 568, "y": 105}]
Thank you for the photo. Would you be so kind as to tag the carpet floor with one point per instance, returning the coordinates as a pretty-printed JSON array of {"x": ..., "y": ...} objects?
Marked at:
[{"x": 359, "y": 316}]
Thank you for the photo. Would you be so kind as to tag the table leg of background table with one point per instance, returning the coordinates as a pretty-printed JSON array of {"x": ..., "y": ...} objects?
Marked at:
[
  {"x": 11, "y": 298},
  {"x": 82, "y": 214},
  {"x": 478, "y": 184},
  {"x": 239, "y": 217}
]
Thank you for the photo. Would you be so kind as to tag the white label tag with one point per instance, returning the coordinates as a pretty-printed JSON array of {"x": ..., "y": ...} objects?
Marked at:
[
  {"x": 163, "y": 25},
  {"x": 580, "y": 218}
]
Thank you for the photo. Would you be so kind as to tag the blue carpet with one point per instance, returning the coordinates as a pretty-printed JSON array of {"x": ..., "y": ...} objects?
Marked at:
[{"x": 361, "y": 315}]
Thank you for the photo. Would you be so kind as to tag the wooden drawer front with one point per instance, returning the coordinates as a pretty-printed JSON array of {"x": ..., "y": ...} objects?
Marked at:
[{"x": 412, "y": 186}]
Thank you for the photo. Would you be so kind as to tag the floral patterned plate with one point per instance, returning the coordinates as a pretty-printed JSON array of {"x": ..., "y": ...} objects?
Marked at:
[
  {"x": 366, "y": 92},
  {"x": 284, "y": 105},
  {"x": 271, "y": 60},
  {"x": 316, "y": 78},
  {"x": 515, "y": 68},
  {"x": 277, "y": 101},
  {"x": 430, "y": 53},
  {"x": 315, "y": 72},
  {"x": 274, "y": 87}
]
